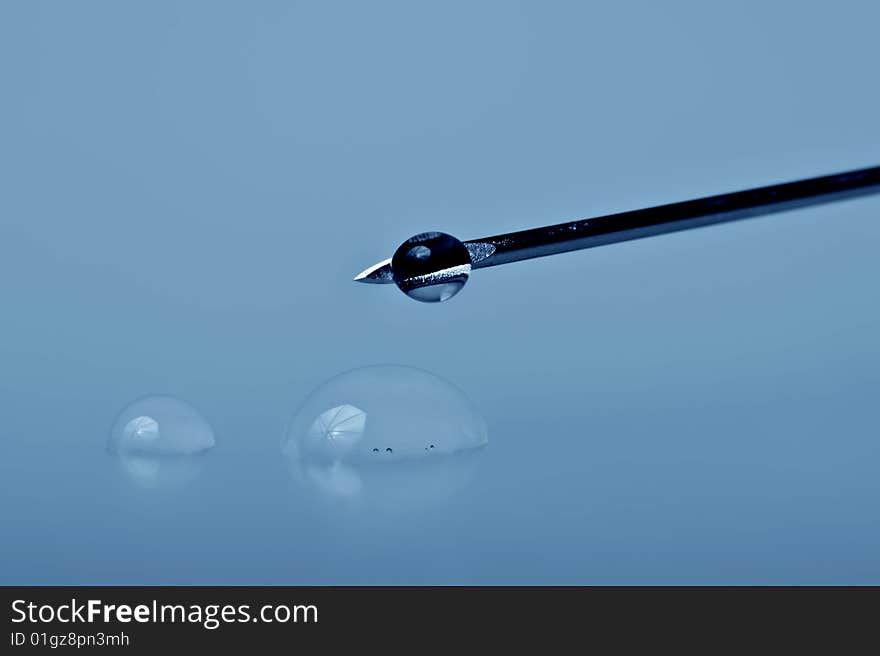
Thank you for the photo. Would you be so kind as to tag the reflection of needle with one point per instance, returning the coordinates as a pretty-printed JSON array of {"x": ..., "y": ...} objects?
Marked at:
[{"x": 434, "y": 266}]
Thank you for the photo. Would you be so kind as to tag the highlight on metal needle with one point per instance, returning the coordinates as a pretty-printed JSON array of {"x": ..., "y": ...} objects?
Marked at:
[{"x": 433, "y": 266}]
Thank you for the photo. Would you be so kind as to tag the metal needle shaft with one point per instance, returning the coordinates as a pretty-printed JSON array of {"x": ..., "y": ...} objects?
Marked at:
[{"x": 662, "y": 219}]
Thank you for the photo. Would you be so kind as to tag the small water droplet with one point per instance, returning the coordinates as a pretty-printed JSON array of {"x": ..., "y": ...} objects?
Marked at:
[
  {"x": 160, "y": 425},
  {"x": 155, "y": 437}
]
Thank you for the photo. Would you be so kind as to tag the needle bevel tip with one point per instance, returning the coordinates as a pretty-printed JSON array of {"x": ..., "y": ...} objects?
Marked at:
[{"x": 378, "y": 274}]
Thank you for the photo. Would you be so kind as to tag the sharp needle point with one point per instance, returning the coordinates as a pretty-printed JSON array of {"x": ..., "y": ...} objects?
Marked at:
[{"x": 378, "y": 274}]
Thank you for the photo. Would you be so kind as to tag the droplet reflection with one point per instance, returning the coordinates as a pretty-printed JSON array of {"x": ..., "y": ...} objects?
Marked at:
[
  {"x": 139, "y": 429},
  {"x": 391, "y": 436},
  {"x": 156, "y": 438}
]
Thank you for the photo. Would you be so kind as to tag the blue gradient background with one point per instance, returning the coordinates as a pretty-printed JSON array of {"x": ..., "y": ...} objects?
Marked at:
[{"x": 188, "y": 188}]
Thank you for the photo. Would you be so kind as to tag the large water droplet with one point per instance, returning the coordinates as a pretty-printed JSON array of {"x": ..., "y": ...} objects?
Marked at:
[
  {"x": 155, "y": 438},
  {"x": 393, "y": 435}
]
